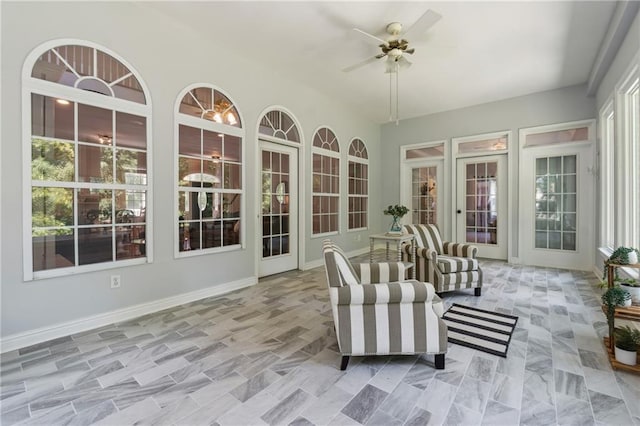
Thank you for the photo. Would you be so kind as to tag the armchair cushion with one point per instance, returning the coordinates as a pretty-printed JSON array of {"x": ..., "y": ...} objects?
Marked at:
[
  {"x": 460, "y": 250},
  {"x": 448, "y": 264}
]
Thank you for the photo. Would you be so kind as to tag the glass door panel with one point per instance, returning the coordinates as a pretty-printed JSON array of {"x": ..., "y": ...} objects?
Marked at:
[
  {"x": 424, "y": 195},
  {"x": 482, "y": 201},
  {"x": 555, "y": 203}
]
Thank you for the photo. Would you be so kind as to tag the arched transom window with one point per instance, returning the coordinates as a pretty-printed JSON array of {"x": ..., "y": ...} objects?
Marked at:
[
  {"x": 358, "y": 185},
  {"x": 326, "y": 182},
  {"x": 209, "y": 172},
  {"x": 279, "y": 125},
  {"x": 87, "y": 168}
]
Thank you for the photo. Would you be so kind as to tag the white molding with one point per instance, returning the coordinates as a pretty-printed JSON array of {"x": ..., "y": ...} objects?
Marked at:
[
  {"x": 39, "y": 335},
  {"x": 617, "y": 30}
]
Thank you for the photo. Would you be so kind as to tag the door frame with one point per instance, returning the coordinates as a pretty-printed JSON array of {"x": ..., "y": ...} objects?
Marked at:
[
  {"x": 585, "y": 250},
  {"x": 405, "y": 171},
  {"x": 511, "y": 152},
  {"x": 258, "y": 239}
]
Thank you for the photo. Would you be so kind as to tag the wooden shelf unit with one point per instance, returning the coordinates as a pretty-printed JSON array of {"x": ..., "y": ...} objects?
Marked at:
[{"x": 631, "y": 313}]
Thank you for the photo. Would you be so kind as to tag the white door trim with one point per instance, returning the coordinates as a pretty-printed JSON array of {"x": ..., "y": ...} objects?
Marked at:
[{"x": 294, "y": 216}]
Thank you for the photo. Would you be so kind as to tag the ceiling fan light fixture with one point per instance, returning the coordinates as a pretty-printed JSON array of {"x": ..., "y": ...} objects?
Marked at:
[
  {"x": 217, "y": 117},
  {"x": 231, "y": 119}
]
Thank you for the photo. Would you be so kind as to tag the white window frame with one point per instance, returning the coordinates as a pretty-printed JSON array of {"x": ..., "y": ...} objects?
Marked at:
[
  {"x": 364, "y": 161},
  {"x": 332, "y": 154},
  {"x": 606, "y": 175},
  {"x": 32, "y": 85},
  {"x": 627, "y": 159},
  {"x": 212, "y": 126}
]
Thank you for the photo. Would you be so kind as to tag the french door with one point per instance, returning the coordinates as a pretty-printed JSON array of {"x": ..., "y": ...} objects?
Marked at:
[
  {"x": 425, "y": 199},
  {"x": 279, "y": 208},
  {"x": 557, "y": 206},
  {"x": 481, "y": 204}
]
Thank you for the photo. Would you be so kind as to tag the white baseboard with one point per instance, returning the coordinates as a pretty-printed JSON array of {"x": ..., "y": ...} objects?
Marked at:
[{"x": 44, "y": 334}]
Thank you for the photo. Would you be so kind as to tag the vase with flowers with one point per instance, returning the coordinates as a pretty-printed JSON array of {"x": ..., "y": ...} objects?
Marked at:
[{"x": 397, "y": 211}]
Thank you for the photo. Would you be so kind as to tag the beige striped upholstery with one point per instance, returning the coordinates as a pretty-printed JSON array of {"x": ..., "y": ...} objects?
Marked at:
[
  {"x": 448, "y": 266},
  {"x": 378, "y": 315}
]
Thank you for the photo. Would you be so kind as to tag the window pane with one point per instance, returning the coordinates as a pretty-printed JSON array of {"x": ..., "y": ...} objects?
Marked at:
[
  {"x": 131, "y": 131},
  {"x": 52, "y": 117},
  {"x": 95, "y": 164},
  {"x": 95, "y": 125},
  {"x": 53, "y": 248},
  {"x": 51, "y": 207},
  {"x": 94, "y": 246},
  {"x": 94, "y": 206},
  {"x": 211, "y": 144},
  {"x": 52, "y": 160},
  {"x": 189, "y": 141},
  {"x": 189, "y": 172},
  {"x": 128, "y": 163}
]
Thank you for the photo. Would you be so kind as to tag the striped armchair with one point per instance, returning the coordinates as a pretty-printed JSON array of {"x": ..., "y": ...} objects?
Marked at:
[
  {"x": 448, "y": 266},
  {"x": 377, "y": 314}
]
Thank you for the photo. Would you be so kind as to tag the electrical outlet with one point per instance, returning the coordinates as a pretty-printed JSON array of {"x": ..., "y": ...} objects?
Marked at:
[{"x": 115, "y": 281}]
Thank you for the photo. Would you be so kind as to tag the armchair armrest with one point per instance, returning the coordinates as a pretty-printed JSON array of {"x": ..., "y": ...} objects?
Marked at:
[
  {"x": 383, "y": 293},
  {"x": 426, "y": 253},
  {"x": 423, "y": 252},
  {"x": 380, "y": 272},
  {"x": 460, "y": 250}
]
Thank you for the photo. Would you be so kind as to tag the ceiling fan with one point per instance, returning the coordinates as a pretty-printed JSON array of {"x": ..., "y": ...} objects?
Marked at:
[{"x": 397, "y": 45}]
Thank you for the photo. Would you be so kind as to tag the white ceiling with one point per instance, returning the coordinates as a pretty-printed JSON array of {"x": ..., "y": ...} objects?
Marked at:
[{"x": 478, "y": 52}]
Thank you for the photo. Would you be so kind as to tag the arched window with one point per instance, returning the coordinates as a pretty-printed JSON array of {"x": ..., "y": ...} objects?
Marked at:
[
  {"x": 326, "y": 182},
  {"x": 280, "y": 125},
  {"x": 86, "y": 161},
  {"x": 209, "y": 172},
  {"x": 358, "y": 185}
]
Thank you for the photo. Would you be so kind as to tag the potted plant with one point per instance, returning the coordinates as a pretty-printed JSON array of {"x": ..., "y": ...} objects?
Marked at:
[
  {"x": 612, "y": 298},
  {"x": 627, "y": 342},
  {"x": 397, "y": 211},
  {"x": 622, "y": 256},
  {"x": 632, "y": 287}
]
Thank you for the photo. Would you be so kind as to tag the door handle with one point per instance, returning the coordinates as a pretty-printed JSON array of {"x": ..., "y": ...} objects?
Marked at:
[{"x": 459, "y": 211}]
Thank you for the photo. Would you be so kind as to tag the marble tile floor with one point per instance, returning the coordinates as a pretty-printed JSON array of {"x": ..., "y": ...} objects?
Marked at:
[{"x": 268, "y": 355}]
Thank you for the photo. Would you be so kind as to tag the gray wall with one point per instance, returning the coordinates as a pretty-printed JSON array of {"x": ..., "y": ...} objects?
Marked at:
[
  {"x": 555, "y": 106},
  {"x": 168, "y": 56}
]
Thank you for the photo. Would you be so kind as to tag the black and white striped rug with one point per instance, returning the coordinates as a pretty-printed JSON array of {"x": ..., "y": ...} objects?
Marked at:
[{"x": 479, "y": 329}]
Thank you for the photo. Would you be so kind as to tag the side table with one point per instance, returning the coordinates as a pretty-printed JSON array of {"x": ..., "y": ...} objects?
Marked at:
[{"x": 398, "y": 240}]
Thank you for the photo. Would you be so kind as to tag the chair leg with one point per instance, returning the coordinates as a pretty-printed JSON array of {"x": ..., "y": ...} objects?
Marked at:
[
  {"x": 477, "y": 291},
  {"x": 439, "y": 358},
  {"x": 345, "y": 361}
]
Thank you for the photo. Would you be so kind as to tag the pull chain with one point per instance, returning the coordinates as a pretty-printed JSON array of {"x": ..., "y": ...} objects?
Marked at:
[{"x": 397, "y": 96}]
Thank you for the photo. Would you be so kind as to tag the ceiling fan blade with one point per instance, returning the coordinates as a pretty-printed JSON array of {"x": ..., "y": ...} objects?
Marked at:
[
  {"x": 426, "y": 21},
  {"x": 410, "y": 51},
  {"x": 360, "y": 64},
  {"x": 370, "y": 36}
]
